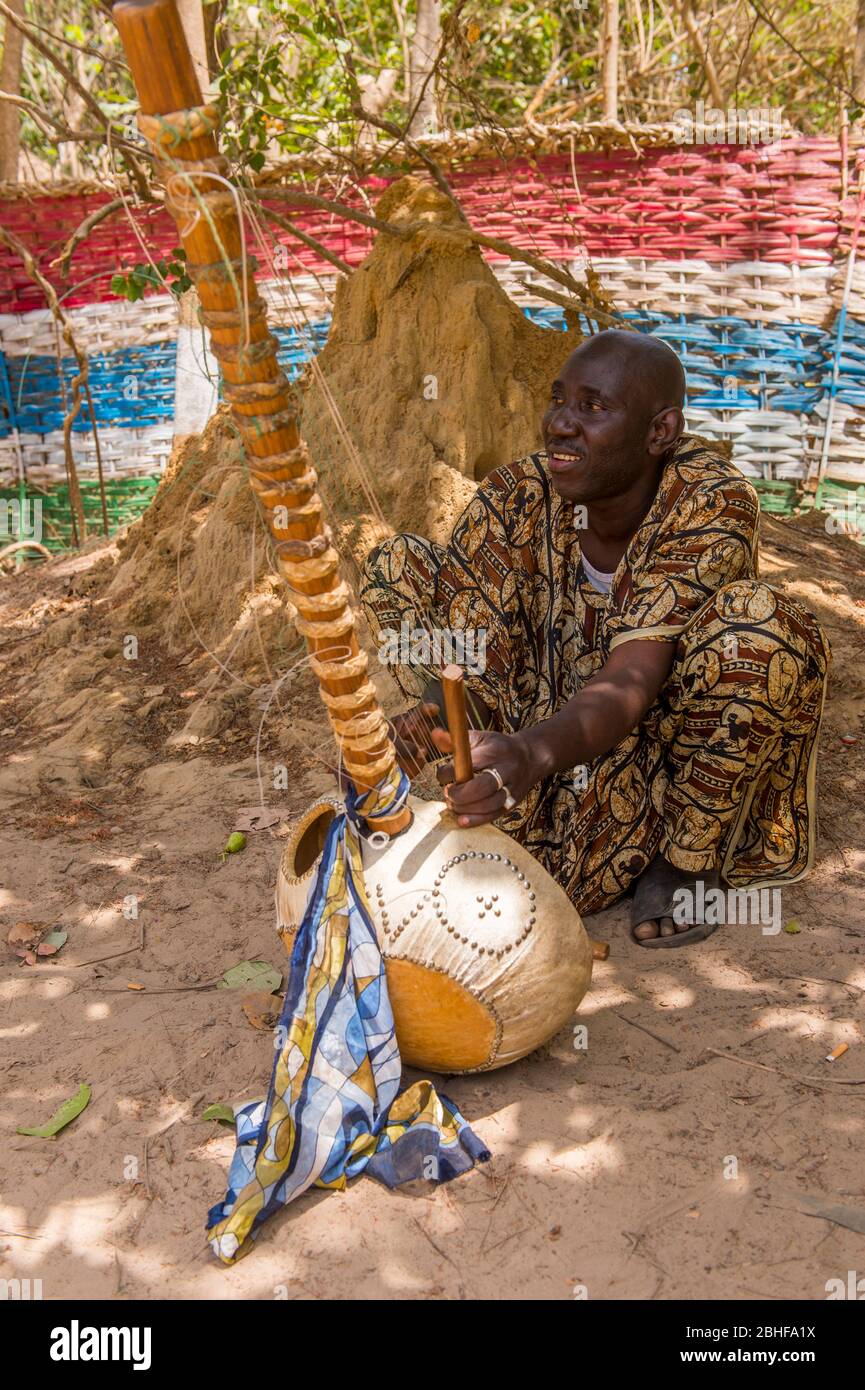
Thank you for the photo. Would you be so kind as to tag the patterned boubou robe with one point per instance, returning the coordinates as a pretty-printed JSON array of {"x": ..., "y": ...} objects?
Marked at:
[{"x": 720, "y": 772}]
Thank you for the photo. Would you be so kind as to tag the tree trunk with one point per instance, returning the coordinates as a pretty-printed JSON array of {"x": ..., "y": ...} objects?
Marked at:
[
  {"x": 611, "y": 60},
  {"x": 10, "y": 81},
  {"x": 213, "y": 13},
  {"x": 859, "y": 54},
  {"x": 375, "y": 93},
  {"x": 195, "y": 397},
  {"x": 425, "y": 44},
  {"x": 192, "y": 18},
  {"x": 705, "y": 57}
]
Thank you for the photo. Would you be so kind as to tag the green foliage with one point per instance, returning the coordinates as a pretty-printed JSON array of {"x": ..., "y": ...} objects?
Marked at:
[
  {"x": 284, "y": 83},
  {"x": 160, "y": 275},
  {"x": 281, "y": 70}
]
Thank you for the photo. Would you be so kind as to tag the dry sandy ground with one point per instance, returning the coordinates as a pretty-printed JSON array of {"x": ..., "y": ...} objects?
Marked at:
[{"x": 608, "y": 1170}]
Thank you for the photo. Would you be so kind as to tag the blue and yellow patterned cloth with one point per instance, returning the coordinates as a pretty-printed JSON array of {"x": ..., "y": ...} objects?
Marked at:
[{"x": 333, "y": 1108}]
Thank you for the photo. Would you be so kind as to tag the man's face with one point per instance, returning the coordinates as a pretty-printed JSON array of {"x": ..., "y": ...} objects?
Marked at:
[{"x": 595, "y": 428}]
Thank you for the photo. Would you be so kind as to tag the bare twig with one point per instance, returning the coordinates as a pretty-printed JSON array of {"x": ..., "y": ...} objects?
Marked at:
[
  {"x": 83, "y": 230},
  {"x": 643, "y": 1029},
  {"x": 779, "y": 1071},
  {"x": 573, "y": 301},
  {"x": 835, "y": 86},
  {"x": 307, "y": 240},
  {"x": 97, "y": 960},
  {"x": 701, "y": 47},
  {"x": 390, "y": 127},
  {"x": 60, "y": 130},
  {"x": 315, "y": 200},
  {"x": 171, "y": 989},
  {"x": 823, "y": 980}
]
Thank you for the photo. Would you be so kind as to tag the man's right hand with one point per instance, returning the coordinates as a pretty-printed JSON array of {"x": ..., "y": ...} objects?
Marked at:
[{"x": 412, "y": 733}]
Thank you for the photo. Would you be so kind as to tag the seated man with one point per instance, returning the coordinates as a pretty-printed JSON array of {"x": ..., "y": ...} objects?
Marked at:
[{"x": 648, "y": 711}]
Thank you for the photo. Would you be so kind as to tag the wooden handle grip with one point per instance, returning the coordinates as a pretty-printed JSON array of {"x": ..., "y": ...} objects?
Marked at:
[{"x": 454, "y": 690}]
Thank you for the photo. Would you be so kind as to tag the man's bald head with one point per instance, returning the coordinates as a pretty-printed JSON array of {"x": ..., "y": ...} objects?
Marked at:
[
  {"x": 647, "y": 367},
  {"x": 615, "y": 410}
]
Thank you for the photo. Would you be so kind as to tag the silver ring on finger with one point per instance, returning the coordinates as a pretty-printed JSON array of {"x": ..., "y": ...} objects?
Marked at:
[{"x": 500, "y": 782}]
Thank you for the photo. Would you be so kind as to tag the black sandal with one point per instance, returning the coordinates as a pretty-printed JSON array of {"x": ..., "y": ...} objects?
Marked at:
[{"x": 655, "y": 897}]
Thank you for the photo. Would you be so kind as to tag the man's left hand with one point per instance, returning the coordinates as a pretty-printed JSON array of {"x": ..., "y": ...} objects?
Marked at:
[{"x": 482, "y": 800}]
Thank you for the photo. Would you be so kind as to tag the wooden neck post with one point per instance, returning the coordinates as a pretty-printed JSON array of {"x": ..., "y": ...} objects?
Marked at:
[{"x": 182, "y": 133}]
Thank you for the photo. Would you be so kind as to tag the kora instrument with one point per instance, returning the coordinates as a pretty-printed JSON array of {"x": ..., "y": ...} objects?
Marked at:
[{"x": 486, "y": 957}]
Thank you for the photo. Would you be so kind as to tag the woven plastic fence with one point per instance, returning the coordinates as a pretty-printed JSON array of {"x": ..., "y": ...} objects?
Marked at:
[{"x": 736, "y": 256}]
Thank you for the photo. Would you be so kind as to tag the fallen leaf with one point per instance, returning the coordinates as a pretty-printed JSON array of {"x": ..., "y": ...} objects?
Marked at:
[
  {"x": 61, "y": 1117},
  {"x": 51, "y": 944},
  {"x": 257, "y": 973},
  {"x": 792, "y": 928},
  {"x": 223, "y": 1113},
  {"x": 810, "y": 1204},
  {"x": 130, "y": 985},
  {"x": 257, "y": 817},
  {"x": 24, "y": 935},
  {"x": 262, "y": 1010}
]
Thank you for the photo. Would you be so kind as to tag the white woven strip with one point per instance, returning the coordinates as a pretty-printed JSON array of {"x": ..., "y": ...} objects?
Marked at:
[
  {"x": 126, "y": 453},
  {"x": 117, "y": 324},
  {"x": 846, "y": 441},
  {"x": 766, "y": 443},
  {"x": 107, "y": 327},
  {"x": 298, "y": 299},
  {"x": 753, "y": 290},
  {"x": 856, "y": 305}
]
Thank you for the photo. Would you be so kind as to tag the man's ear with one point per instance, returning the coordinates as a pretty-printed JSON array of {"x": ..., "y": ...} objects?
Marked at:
[{"x": 665, "y": 429}]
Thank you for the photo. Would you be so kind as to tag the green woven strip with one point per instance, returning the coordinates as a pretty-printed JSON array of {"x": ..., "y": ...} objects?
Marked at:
[{"x": 125, "y": 498}]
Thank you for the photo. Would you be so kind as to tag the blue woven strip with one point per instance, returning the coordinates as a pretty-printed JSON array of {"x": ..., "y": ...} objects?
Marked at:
[
  {"x": 731, "y": 364},
  {"x": 133, "y": 387}
]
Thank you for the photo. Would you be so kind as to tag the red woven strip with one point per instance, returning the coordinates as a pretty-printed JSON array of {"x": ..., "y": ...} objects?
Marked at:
[{"x": 713, "y": 203}]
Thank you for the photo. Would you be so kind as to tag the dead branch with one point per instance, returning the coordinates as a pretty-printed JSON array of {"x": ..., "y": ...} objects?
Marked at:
[
  {"x": 307, "y": 240},
  {"x": 314, "y": 200},
  {"x": 507, "y": 248},
  {"x": 40, "y": 116},
  {"x": 82, "y": 231},
  {"x": 578, "y": 303}
]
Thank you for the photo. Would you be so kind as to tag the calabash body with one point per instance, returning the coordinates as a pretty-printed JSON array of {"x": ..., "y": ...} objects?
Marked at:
[{"x": 485, "y": 955}]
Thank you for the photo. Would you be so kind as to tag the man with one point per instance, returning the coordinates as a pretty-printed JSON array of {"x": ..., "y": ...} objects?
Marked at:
[{"x": 649, "y": 709}]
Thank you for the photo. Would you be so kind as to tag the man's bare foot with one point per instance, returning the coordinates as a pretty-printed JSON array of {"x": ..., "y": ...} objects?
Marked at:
[
  {"x": 662, "y": 926},
  {"x": 665, "y": 904}
]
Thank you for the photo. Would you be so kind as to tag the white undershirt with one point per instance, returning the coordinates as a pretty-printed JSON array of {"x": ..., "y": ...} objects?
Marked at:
[{"x": 598, "y": 580}]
